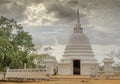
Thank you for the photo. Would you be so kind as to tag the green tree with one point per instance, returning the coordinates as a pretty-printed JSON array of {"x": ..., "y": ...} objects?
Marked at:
[
  {"x": 15, "y": 45},
  {"x": 5, "y": 51}
]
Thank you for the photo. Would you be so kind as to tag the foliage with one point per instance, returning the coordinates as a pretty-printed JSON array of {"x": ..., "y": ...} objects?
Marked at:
[
  {"x": 116, "y": 57},
  {"x": 40, "y": 58},
  {"x": 15, "y": 45},
  {"x": 101, "y": 68}
]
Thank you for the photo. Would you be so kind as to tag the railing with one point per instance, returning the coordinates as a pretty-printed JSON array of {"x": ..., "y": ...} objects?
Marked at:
[
  {"x": 27, "y": 74},
  {"x": 2, "y": 75},
  {"x": 106, "y": 75}
]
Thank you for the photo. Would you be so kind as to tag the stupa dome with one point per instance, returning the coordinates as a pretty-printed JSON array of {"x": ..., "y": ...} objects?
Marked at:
[{"x": 78, "y": 39}]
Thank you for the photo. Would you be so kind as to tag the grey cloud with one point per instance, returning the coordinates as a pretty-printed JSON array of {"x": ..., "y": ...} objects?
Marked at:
[
  {"x": 102, "y": 14},
  {"x": 2, "y": 2},
  {"x": 45, "y": 21},
  {"x": 103, "y": 38},
  {"x": 78, "y": 3},
  {"x": 16, "y": 8},
  {"x": 13, "y": 10},
  {"x": 63, "y": 10},
  {"x": 98, "y": 10}
]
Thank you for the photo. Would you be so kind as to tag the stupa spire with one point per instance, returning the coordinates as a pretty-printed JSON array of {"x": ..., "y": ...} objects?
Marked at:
[
  {"x": 78, "y": 27},
  {"x": 78, "y": 16}
]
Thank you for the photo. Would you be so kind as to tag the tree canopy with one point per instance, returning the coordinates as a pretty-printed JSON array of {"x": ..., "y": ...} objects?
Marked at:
[
  {"x": 15, "y": 45},
  {"x": 40, "y": 59}
]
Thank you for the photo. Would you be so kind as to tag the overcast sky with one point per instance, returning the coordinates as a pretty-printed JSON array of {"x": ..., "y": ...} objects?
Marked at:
[{"x": 51, "y": 22}]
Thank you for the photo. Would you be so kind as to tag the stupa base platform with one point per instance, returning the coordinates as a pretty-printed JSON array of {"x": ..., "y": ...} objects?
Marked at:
[{"x": 69, "y": 77}]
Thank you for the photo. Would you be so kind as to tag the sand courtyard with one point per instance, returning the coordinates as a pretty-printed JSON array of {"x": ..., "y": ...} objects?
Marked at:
[
  {"x": 69, "y": 80},
  {"x": 75, "y": 81}
]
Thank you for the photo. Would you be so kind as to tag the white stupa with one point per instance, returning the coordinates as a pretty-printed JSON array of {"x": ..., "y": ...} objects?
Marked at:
[{"x": 78, "y": 58}]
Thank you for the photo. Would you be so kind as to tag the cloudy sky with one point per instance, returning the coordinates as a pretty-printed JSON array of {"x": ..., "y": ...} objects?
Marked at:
[{"x": 51, "y": 22}]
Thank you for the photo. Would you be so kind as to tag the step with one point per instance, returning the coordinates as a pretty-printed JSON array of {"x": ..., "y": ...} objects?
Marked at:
[{"x": 70, "y": 77}]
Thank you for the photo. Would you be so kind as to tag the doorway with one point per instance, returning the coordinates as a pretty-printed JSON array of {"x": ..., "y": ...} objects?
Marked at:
[{"x": 76, "y": 67}]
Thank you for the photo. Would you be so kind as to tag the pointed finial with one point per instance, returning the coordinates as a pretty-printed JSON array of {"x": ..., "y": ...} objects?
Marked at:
[{"x": 78, "y": 18}]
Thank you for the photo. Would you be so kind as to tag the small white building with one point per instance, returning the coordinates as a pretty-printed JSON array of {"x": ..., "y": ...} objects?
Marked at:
[
  {"x": 51, "y": 65},
  {"x": 78, "y": 58},
  {"x": 108, "y": 68}
]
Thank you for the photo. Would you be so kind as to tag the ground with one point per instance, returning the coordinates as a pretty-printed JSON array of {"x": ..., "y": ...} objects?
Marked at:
[
  {"x": 69, "y": 80},
  {"x": 75, "y": 81}
]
